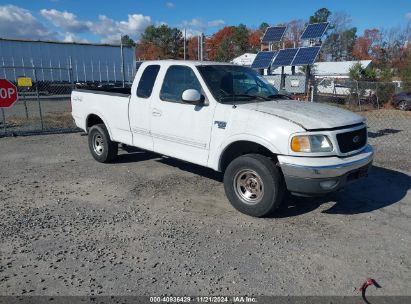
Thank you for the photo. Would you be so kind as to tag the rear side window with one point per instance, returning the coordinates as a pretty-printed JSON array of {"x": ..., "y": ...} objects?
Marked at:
[{"x": 147, "y": 80}]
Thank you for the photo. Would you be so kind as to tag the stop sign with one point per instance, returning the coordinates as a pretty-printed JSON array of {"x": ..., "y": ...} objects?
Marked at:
[{"x": 8, "y": 93}]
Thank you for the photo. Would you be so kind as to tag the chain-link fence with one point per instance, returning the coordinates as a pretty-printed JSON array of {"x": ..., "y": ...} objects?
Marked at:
[
  {"x": 43, "y": 105},
  {"x": 389, "y": 127}
]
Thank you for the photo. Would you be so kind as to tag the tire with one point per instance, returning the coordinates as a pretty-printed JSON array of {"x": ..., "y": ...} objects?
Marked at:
[
  {"x": 254, "y": 185},
  {"x": 403, "y": 105},
  {"x": 103, "y": 149}
]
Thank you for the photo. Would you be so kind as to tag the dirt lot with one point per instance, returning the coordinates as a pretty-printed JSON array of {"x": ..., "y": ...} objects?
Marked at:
[
  {"x": 389, "y": 132},
  {"x": 147, "y": 225}
]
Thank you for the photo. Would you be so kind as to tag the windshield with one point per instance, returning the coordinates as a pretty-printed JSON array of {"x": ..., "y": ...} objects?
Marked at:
[{"x": 230, "y": 83}]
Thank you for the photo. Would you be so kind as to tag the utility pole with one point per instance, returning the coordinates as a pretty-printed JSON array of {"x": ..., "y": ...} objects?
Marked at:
[
  {"x": 122, "y": 62},
  {"x": 198, "y": 47},
  {"x": 201, "y": 47},
  {"x": 185, "y": 41}
]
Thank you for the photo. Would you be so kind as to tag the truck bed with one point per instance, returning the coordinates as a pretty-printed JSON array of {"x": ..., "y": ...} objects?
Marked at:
[
  {"x": 110, "y": 105},
  {"x": 106, "y": 91}
]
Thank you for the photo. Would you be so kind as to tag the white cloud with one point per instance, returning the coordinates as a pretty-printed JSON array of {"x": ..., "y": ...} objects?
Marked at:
[
  {"x": 170, "y": 4},
  {"x": 201, "y": 25},
  {"x": 197, "y": 26},
  {"x": 66, "y": 21},
  {"x": 408, "y": 16},
  {"x": 110, "y": 30},
  {"x": 70, "y": 37},
  {"x": 191, "y": 32},
  {"x": 16, "y": 22},
  {"x": 215, "y": 23},
  {"x": 196, "y": 23}
]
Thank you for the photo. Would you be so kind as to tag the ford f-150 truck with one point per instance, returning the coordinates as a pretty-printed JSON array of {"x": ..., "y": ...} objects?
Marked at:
[{"x": 230, "y": 119}]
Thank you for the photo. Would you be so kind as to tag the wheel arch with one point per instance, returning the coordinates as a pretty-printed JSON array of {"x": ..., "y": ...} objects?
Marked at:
[
  {"x": 241, "y": 147},
  {"x": 94, "y": 119}
]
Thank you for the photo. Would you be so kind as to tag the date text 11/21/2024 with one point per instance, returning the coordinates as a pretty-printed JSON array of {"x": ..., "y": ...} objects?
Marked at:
[{"x": 203, "y": 299}]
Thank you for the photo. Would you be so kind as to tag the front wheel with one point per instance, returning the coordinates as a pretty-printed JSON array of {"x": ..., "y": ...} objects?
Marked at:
[
  {"x": 102, "y": 148},
  {"x": 254, "y": 185},
  {"x": 403, "y": 105}
]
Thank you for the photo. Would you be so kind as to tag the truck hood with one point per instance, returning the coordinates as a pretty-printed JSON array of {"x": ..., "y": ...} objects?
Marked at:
[{"x": 306, "y": 114}]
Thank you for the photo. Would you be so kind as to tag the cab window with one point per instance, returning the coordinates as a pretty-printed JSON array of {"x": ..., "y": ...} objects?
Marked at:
[
  {"x": 147, "y": 80},
  {"x": 178, "y": 78}
]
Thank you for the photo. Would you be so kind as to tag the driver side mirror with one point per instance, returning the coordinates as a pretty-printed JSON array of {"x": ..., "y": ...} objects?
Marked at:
[{"x": 192, "y": 96}]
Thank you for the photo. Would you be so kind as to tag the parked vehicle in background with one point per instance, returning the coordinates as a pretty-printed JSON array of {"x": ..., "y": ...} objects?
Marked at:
[
  {"x": 228, "y": 118},
  {"x": 402, "y": 101},
  {"x": 342, "y": 88},
  {"x": 331, "y": 87}
]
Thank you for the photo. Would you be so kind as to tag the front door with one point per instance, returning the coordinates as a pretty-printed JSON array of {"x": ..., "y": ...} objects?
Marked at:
[{"x": 180, "y": 129}]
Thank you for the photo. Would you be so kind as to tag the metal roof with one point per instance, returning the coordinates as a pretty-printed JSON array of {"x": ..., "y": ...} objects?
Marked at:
[
  {"x": 337, "y": 67},
  {"x": 60, "y": 42}
]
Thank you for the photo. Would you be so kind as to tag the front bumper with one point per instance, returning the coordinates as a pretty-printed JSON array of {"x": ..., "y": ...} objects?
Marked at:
[{"x": 320, "y": 175}]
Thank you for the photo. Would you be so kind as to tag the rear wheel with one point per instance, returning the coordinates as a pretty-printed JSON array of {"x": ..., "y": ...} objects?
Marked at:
[
  {"x": 102, "y": 148},
  {"x": 254, "y": 185}
]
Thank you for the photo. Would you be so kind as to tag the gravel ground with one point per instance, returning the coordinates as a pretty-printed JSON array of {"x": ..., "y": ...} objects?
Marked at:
[
  {"x": 147, "y": 225},
  {"x": 390, "y": 133}
]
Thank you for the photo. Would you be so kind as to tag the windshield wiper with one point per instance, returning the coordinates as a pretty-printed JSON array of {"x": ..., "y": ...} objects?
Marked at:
[
  {"x": 278, "y": 96},
  {"x": 245, "y": 95}
]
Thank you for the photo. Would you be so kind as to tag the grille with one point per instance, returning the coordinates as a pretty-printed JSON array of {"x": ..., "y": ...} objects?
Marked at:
[{"x": 351, "y": 141}]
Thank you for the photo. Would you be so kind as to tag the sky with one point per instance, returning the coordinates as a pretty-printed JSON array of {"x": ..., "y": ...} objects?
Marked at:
[{"x": 105, "y": 21}]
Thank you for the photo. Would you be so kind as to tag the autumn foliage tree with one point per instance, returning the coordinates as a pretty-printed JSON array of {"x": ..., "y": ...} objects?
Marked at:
[
  {"x": 254, "y": 41},
  {"x": 160, "y": 42},
  {"x": 367, "y": 45},
  {"x": 147, "y": 50},
  {"x": 192, "y": 48},
  {"x": 220, "y": 47}
]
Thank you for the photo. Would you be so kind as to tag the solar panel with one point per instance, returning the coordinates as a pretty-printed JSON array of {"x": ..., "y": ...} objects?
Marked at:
[
  {"x": 274, "y": 34},
  {"x": 285, "y": 57},
  {"x": 263, "y": 60},
  {"x": 306, "y": 55},
  {"x": 315, "y": 30}
]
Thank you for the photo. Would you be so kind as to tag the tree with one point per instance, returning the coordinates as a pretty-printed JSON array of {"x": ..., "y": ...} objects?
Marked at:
[
  {"x": 147, "y": 50},
  {"x": 359, "y": 73},
  {"x": 127, "y": 41},
  {"x": 263, "y": 26},
  {"x": 192, "y": 48},
  {"x": 367, "y": 45},
  {"x": 347, "y": 39},
  {"x": 254, "y": 41},
  {"x": 340, "y": 40},
  {"x": 167, "y": 42},
  {"x": 225, "y": 51},
  {"x": 405, "y": 72},
  {"x": 220, "y": 45},
  {"x": 340, "y": 45},
  {"x": 320, "y": 15},
  {"x": 240, "y": 39},
  {"x": 294, "y": 30}
]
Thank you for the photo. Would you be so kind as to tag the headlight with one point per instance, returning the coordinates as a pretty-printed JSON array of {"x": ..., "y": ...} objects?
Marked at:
[{"x": 311, "y": 143}]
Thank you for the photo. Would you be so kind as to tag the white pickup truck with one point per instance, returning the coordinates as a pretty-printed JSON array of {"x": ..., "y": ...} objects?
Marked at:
[{"x": 230, "y": 119}]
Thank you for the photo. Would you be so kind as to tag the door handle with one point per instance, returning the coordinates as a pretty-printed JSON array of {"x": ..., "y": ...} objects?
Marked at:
[{"x": 156, "y": 112}]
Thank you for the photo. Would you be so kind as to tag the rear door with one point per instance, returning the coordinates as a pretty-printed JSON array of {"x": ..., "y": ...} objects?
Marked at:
[
  {"x": 140, "y": 106},
  {"x": 180, "y": 129}
]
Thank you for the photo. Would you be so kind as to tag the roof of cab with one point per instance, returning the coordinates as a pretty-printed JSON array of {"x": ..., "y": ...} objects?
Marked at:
[{"x": 186, "y": 62}]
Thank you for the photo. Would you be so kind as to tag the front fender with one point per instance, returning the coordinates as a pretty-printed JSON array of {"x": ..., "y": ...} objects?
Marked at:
[{"x": 215, "y": 156}]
